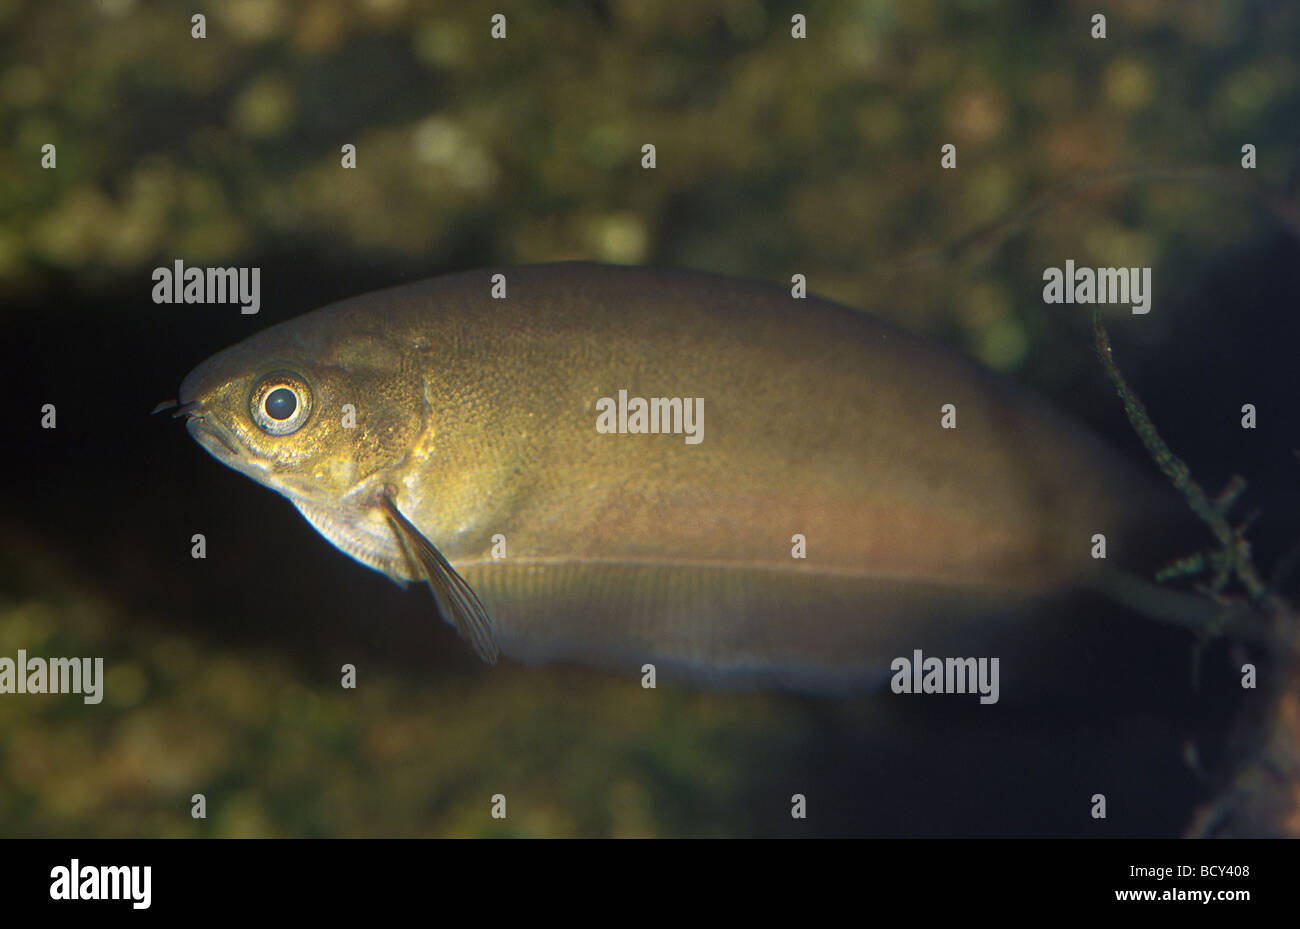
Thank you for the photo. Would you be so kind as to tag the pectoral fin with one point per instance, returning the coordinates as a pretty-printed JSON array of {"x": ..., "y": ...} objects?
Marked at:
[{"x": 455, "y": 598}]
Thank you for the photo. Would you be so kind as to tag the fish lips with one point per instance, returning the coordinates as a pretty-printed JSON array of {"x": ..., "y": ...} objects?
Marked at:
[
  {"x": 207, "y": 430},
  {"x": 214, "y": 437}
]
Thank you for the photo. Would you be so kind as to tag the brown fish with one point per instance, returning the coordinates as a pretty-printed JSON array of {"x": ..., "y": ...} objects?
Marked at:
[{"x": 428, "y": 428}]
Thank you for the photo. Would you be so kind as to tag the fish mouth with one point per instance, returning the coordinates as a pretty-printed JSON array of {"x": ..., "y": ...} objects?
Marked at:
[
  {"x": 207, "y": 431},
  {"x": 204, "y": 430}
]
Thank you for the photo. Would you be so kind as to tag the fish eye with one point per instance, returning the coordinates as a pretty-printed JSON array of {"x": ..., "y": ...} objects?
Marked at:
[{"x": 281, "y": 403}]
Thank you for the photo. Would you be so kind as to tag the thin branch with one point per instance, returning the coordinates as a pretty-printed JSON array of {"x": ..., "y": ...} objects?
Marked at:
[{"x": 1235, "y": 558}]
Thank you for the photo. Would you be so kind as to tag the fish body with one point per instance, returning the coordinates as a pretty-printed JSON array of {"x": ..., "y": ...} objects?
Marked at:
[{"x": 434, "y": 415}]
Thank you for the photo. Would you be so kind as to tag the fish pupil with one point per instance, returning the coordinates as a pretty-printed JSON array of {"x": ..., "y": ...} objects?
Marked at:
[{"x": 280, "y": 403}]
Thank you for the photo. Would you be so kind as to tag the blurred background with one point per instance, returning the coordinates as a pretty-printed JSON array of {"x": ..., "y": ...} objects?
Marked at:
[{"x": 775, "y": 156}]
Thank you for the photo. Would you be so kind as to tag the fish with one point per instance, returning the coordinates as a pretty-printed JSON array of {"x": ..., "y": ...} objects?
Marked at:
[{"x": 855, "y": 491}]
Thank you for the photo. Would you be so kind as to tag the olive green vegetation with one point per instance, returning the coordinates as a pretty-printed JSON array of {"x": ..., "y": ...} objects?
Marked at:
[
  {"x": 775, "y": 156},
  {"x": 280, "y": 754}
]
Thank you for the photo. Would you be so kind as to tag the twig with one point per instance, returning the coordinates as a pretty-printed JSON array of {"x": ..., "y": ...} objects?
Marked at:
[{"x": 1234, "y": 557}]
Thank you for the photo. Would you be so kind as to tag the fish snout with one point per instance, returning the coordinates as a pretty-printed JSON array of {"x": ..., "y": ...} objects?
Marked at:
[
  {"x": 197, "y": 386},
  {"x": 209, "y": 432}
]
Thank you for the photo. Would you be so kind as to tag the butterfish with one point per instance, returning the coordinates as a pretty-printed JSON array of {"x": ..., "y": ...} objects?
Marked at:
[{"x": 850, "y": 492}]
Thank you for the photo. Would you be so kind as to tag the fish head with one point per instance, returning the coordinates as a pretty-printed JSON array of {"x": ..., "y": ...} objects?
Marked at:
[{"x": 314, "y": 412}]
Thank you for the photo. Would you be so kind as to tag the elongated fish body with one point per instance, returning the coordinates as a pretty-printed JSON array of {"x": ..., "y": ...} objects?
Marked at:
[{"x": 432, "y": 420}]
